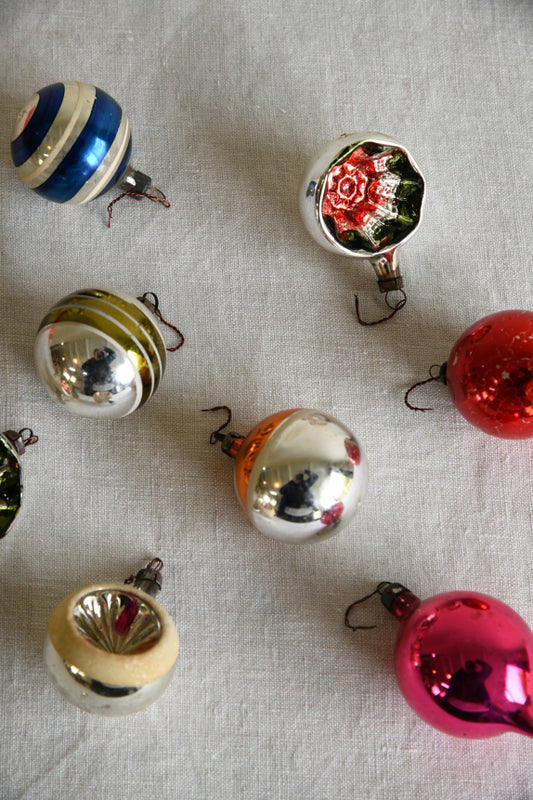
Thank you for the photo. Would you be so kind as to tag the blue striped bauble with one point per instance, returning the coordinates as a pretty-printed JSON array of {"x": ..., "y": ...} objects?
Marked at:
[{"x": 71, "y": 142}]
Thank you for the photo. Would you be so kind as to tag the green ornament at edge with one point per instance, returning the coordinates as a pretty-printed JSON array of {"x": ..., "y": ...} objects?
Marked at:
[{"x": 10, "y": 483}]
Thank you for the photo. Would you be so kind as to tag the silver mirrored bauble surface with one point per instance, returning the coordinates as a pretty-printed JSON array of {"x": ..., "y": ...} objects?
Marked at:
[
  {"x": 96, "y": 697},
  {"x": 87, "y": 371},
  {"x": 308, "y": 479}
]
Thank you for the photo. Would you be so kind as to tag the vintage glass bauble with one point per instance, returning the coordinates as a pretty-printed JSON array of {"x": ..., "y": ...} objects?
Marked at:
[
  {"x": 300, "y": 475},
  {"x": 71, "y": 142},
  {"x": 111, "y": 648},
  {"x": 464, "y": 662},
  {"x": 100, "y": 353},
  {"x": 361, "y": 196},
  {"x": 490, "y": 374}
]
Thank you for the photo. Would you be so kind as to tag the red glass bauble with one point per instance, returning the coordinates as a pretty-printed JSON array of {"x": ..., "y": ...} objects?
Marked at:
[
  {"x": 464, "y": 662},
  {"x": 490, "y": 374}
]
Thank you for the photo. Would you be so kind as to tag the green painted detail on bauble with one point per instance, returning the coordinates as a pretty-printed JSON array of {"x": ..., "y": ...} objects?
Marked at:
[{"x": 10, "y": 485}]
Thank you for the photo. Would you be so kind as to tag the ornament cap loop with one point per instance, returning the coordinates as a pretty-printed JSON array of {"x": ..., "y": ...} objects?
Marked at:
[
  {"x": 148, "y": 579},
  {"x": 153, "y": 307},
  {"x": 28, "y": 437},
  {"x": 134, "y": 181},
  {"x": 398, "y": 600},
  {"x": 399, "y": 303},
  {"x": 389, "y": 281},
  {"x": 231, "y": 442},
  {"x": 394, "y": 308},
  {"x": 390, "y": 284},
  {"x": 17, "y": 439},
  {"x": 441, "y": 376}
]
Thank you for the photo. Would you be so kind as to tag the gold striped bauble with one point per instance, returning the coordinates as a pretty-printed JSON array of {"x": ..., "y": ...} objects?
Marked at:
[{"x": 100, "y": 353}]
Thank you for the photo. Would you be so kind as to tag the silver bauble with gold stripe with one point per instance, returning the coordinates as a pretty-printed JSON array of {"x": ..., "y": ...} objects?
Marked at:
[{"x": 100, "y": 353}]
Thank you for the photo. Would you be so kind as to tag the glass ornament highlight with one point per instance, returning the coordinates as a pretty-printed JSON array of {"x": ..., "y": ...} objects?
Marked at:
[
  {"x": 111, "y": 648},
  {"x": 71, "y": 142},
  {"x": 300, "y": 475},
  {"x": 463, "y": 661}
]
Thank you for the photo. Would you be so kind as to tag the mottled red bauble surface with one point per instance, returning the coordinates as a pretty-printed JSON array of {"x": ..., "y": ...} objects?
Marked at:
[{"x": 490, "y": 374}]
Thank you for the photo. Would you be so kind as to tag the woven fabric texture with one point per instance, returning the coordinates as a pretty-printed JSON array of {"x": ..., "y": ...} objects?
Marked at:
[{"x": 273, "y": 698}]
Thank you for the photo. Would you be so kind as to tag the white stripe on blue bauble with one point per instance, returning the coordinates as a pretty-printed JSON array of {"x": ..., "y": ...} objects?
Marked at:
[{"x": 71, "y": 142}]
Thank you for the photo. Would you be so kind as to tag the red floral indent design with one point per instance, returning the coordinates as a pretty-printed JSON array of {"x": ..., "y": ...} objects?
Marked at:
[{"x": 360, "y": 194}]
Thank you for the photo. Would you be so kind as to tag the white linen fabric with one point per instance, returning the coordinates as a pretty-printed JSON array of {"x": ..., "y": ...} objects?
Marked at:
[{"x": 273, "y": 698}]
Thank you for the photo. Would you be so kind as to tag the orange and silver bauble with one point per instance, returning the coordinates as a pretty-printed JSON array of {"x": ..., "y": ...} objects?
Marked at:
[{"x": 300, "y": 475}]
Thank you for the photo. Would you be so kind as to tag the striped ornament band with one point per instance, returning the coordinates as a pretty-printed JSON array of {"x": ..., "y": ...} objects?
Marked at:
[
  {"x": 122, "y": 320},
  {"x": 71, "y": 142}
]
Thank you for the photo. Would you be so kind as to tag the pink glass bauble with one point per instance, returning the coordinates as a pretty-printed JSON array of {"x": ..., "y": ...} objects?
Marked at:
[
  {"x": 490, "y": 374},
  {"x": 464, "y": 662}
]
